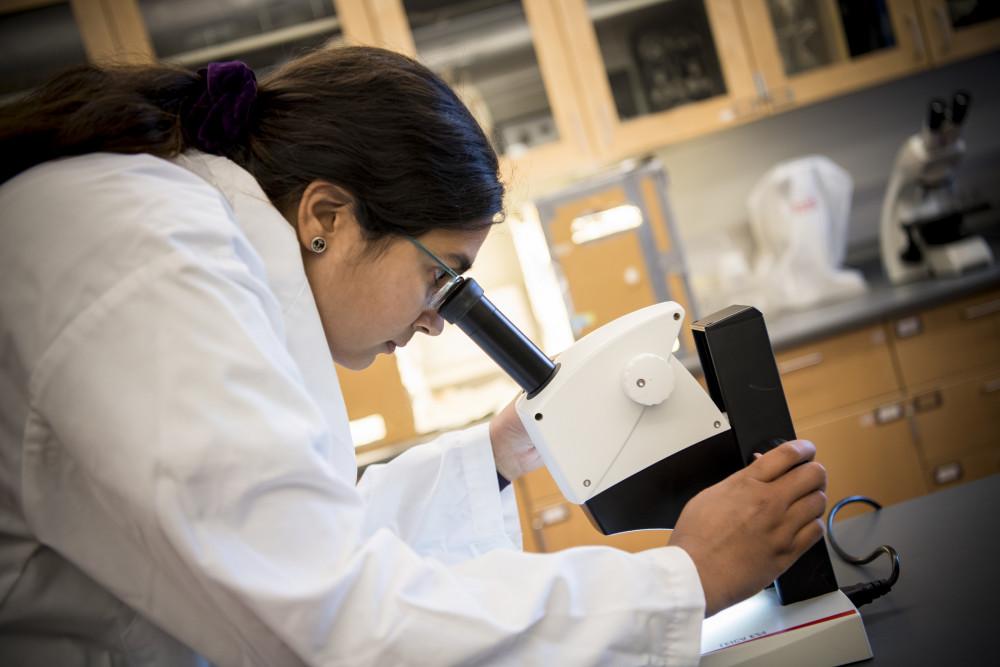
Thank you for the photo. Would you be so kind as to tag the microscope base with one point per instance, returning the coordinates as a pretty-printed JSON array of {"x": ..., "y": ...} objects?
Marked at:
[
  {"x": 825, "y": 631},
  {"x": 955, "y": 258}
]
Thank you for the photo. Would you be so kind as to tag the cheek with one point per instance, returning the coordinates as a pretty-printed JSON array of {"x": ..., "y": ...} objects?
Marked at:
[{"x": 392, "y": 305}]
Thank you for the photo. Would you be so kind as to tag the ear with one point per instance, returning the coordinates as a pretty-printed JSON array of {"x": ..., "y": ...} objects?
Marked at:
[{"x": 324, "y": 210}]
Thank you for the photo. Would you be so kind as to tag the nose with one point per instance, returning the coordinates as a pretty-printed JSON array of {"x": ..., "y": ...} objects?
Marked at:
[{"x": 429, "y": 323}]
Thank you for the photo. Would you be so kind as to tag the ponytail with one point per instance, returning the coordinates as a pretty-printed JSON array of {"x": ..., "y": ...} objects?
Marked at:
[
  {"x": 378, "y": 124},
  {"x": 87, "y": 109}
]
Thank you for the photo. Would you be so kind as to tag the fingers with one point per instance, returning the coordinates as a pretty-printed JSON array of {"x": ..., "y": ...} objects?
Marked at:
[
  {"x": 781, "y": 459},
  {"x": 808, "y": 535},
  {"x": 805, "y": 510},
  {"x": 801, "y": 481}
]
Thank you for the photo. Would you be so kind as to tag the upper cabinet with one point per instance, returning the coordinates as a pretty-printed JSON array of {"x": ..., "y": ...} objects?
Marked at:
[
  {"x": 561, "y": 86},
  {"x": 262, "y": 33},
  {"x": 39, "y": 39},
  {"x": 808, "y": 50},
  {"x": 506, "y": 60},
  {"x": 657, "y": 71},
  {"x": 960, "y": 28}
]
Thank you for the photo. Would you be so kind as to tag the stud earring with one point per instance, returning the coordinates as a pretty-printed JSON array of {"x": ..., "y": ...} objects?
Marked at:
[{"x": 318, "y": 244}]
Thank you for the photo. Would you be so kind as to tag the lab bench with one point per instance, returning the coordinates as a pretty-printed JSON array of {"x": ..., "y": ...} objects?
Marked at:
[{"x": 942, "y": 611}]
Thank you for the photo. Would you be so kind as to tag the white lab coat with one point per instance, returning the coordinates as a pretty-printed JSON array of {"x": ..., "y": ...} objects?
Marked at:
[{"x": 177, "y": 477}]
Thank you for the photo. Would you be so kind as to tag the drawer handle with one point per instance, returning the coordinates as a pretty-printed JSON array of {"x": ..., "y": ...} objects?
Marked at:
[
  {"x": 886, "y": 414},
  {"x": 799, "y": 363},
  {"x": 909, "y": 326},
  {"x": 948, "y": 473},
  {"x": 978, "y": 310},
  {"x": 550, "y": 515},
  {"x": 926, "y": 402},
  {"x": 991, "y": 386}
]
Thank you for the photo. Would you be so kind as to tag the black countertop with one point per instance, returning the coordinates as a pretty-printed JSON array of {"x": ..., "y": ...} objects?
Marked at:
[
  {"x": 882, "y": 301},
  {"x": 943, "y": 610}
]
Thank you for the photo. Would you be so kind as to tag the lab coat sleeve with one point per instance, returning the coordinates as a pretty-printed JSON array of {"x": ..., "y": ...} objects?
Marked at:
[
  {"x": 200, "y": 447},
  {"x": 443, "y": 498}
]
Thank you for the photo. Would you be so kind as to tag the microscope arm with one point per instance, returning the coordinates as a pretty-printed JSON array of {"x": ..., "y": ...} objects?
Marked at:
[{"x": 620, "y": 403}]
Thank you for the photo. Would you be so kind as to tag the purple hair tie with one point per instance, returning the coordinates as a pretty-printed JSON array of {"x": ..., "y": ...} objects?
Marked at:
[{"x": 219, "y": 118}]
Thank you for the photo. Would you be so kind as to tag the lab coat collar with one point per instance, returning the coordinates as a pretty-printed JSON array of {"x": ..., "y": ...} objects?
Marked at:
[
  {"x": 276, "y": 243},
  {"x": 271, "y": 235}
]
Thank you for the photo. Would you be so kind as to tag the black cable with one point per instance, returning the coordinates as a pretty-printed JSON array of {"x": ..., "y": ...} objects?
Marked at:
[{"x": 861, "y": 594}]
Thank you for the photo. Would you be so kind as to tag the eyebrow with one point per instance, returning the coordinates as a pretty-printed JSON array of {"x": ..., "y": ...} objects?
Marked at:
[{"x": 461, "y": 262}]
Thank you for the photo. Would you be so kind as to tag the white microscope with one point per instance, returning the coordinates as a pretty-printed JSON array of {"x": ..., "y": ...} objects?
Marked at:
[
  {"x": 922, "y": 215},
  {"x": 628, "y": 433}
]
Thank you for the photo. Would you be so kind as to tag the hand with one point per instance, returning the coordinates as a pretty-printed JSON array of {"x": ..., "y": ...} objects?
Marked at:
[
  {"x": 513, "y": 450},
  {"x": 746, "y": 530}
]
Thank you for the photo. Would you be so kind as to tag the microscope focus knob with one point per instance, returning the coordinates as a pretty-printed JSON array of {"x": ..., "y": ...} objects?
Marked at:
[{"x": 648, "y": 379}]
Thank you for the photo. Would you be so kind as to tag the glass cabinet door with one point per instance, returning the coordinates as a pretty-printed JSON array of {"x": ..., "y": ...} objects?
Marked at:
[
  {"x": 506, "y": 61},
  {"x": 262, "y": 33},
  {"x": 810, "y": 49},
  {"x": 961, "y": 28},
  {"x": 659, "y": 70},
  {"x": 37, "y": 40},
  {"x": 657, "y": 55},
  {"x": 484, "y": 49}
]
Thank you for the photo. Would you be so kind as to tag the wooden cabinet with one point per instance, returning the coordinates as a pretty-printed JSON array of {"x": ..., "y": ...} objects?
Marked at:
[
  {"x": 565, "y": 86},
  {"x": 655, "y": 72},
  {"x": 950, "y": 363},
  {"x": 867, "y": 450},
  {"x": 958, "y": 29},
  {"x": 807, "y": 51},
  {"x": 845, "y": 396},
  {"x": 551, "y": 523},
  {"x": 955, "y": 338},
  {"x": 262, "y": 33},
  {"x": 42, "y": 37},
  {"x": 509, "y": 63},
  {"x": 378, "y": 404},
  {"x": 957, "y": 422},
  {"x": 615, "y": 247},
  {"x": 836, "y": 372}
]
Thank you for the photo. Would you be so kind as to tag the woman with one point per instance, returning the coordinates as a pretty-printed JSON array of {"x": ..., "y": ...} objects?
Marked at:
[{"x": 183, "y": 258}]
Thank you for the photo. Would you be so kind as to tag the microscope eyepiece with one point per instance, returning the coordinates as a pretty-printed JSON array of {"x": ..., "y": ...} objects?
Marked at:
[
  {"x": 467, "y": 307},
  {"x": 936, "y": 112},
  {"x": 960, "y": 107}
]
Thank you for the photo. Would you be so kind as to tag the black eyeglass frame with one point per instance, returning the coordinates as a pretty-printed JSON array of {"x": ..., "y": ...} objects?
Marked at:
[{"x": 441, "y": 295}]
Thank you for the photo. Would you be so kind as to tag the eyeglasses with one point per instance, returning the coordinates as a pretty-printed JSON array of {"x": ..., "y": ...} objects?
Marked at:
[{"x": 439, "y": 296}]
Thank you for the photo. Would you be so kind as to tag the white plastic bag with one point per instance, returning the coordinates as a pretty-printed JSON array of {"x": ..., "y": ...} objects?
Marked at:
[{"x": 798, "y": 217}]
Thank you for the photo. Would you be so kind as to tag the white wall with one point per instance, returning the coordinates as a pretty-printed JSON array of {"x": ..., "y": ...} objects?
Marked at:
[{"x": 712, "y": 176}]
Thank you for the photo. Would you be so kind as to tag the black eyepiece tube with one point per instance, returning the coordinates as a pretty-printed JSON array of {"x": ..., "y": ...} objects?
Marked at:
[
  {"x": 936, "y": 111},
  {"x": 474, "y": 314},
  {"x": 960, "y": 107}
]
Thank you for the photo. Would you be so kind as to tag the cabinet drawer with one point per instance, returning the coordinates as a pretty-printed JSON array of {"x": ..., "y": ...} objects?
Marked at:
[
  {"x": 962, "y": 336},
  {"x": 837, "y": 372},
  {"x": 869, "y": 452},
  {"x": 561, "y": 525},
  {"x": 538, "y": 484},
  {"x": 969, "y": 466},
  {"x": 960, "y": 416}
]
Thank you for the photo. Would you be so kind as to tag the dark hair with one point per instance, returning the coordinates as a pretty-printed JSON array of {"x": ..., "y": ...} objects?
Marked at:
[{"x": 374, "y": 122}]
